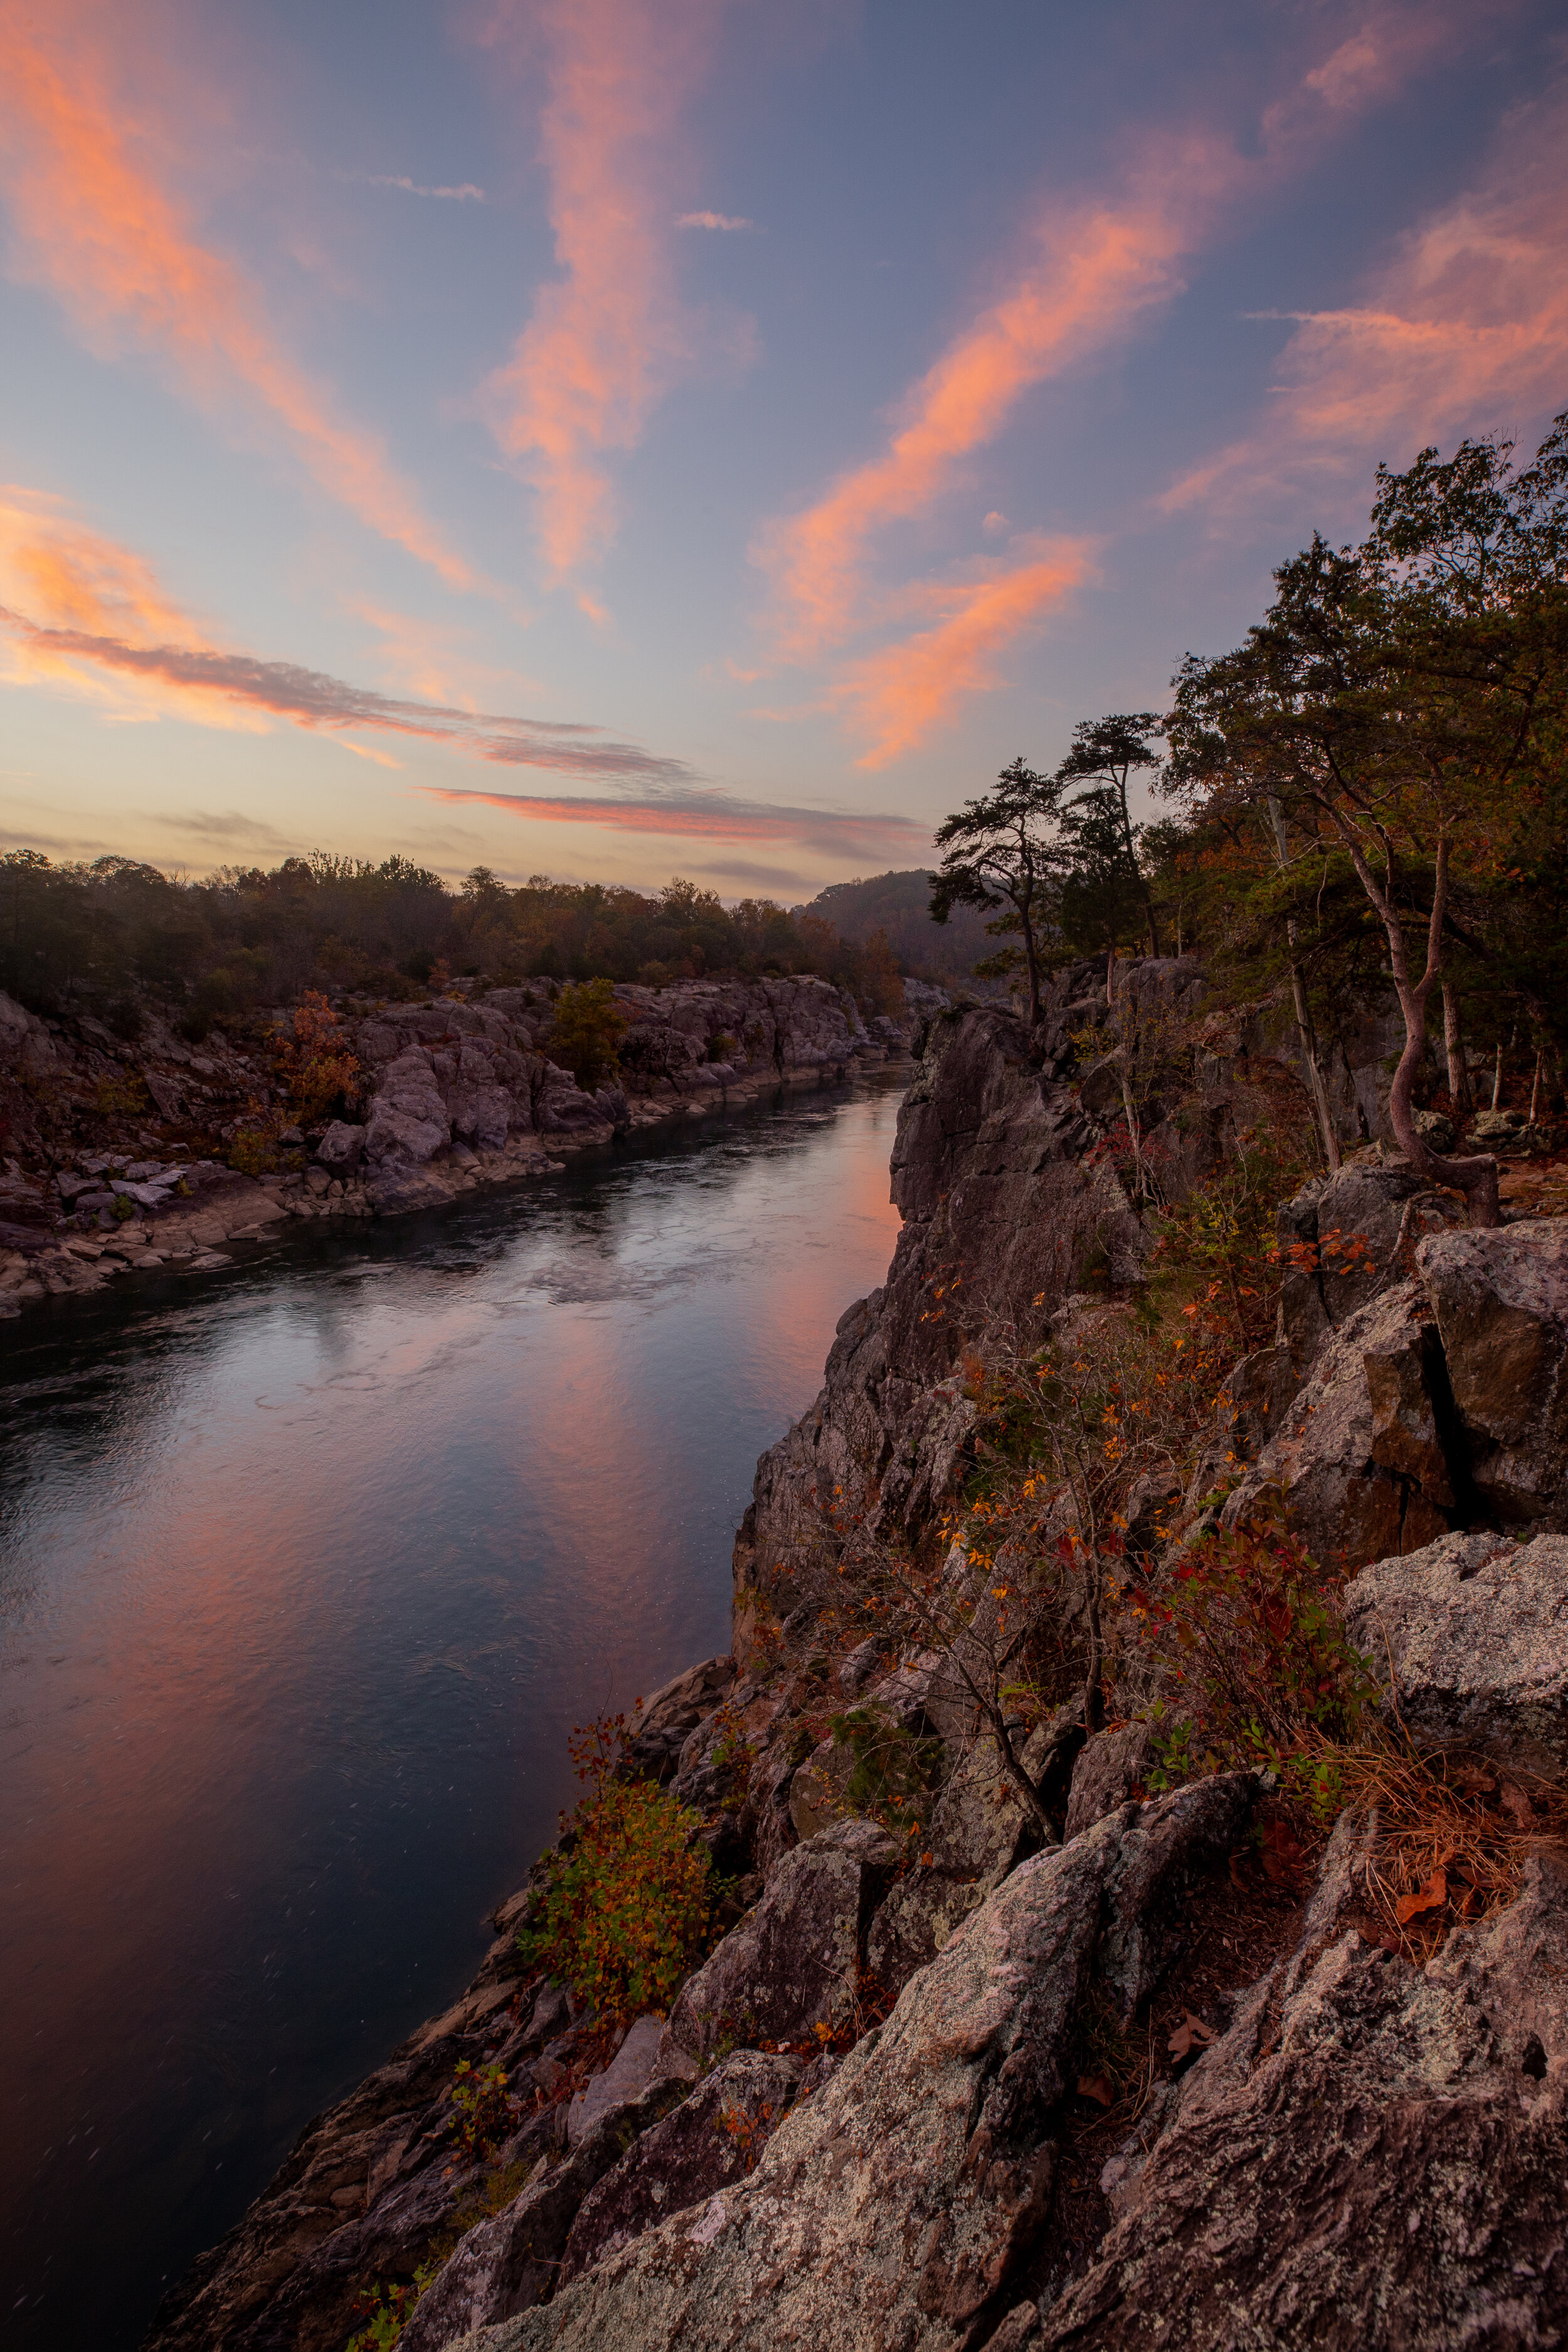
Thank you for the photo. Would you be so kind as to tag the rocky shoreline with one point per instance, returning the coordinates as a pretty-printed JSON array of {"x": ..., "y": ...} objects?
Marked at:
[
  {"x": 874, "y": 2116},
  {"x": 459, "y": 1097}
]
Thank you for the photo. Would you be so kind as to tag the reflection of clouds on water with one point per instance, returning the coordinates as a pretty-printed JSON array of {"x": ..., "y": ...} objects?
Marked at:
[{"x": 330, "y": 1550}]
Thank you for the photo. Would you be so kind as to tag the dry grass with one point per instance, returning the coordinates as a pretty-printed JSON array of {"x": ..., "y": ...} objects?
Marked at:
[{"x": 1454, "y": 1832}]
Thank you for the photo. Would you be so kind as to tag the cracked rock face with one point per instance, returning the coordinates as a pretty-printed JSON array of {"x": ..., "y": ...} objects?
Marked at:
[
  {"x": 792, "y": 1963},
  {"x": 1476, "y": 1629},
  {"x": 989, "y": 1176},
  {"x": 1384, "y": 2166},
  {"x": 1356, "y": 1457},
  {"x": 1501, "y": 1303},
  {"x": 894, "y": 2205}
]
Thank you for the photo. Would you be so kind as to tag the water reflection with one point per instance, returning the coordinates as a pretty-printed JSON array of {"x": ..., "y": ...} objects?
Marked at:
[{"x": 305, "y": 1571}]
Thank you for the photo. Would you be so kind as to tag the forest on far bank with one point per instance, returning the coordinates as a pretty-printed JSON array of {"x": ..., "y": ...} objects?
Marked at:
[{"x": 98, "y": 937}]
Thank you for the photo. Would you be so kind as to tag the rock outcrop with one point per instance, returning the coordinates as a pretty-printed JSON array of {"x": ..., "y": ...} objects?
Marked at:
[
  {"x": 1002, "y": 1219},
  {"x": 1473, "y": 1634},
  {"x": 458, "y": 1094},
  {"x": 873, "y": 2117},
  {"x": 1373, "y": 2157},
  {"x": 898, "y": 2204}
]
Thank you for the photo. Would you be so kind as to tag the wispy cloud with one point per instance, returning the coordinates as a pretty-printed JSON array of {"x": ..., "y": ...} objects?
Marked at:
[
  {"x": 1463, "y": 328},
  {"x": 711, "y": 220},
  {"x": 1089, "y": 271},
  {"x": 706, "y": 813},
  {"x": 87, "y": 613},
  {"x": 898, "y": 697},
  {"x": 92, "y": 222},
  {"x": 607, "y": 339},
  {"x": 466, "y": 194}
]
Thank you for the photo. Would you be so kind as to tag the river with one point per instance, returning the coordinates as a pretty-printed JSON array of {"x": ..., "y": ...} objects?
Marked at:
[{"x": 307, "y": 1569}]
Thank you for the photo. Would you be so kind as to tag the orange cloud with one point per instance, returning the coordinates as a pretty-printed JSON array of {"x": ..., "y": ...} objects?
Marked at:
[
  {"x": 1091, "y": 272},
  {"x": 606, "y": 340},
  {"x": 708, "y": 814},
  {"x": 901, "y": 695},
  {"x": 1465, "y": 328},
  {"x": 88, "y": 589},
  {"x": 98, "y": 621},
  {"x": 92, "y": 222}
]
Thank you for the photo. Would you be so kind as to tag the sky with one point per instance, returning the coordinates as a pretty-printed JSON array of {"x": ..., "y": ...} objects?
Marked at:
[{"x": 613, "y": 438}]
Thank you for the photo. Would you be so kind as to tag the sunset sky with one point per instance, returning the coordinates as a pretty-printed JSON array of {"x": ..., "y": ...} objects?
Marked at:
[{"x": 618, "y": 437}]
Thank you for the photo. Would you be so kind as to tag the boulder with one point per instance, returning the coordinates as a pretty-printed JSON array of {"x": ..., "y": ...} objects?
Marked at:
[
  {"x": 895, "y": 2205},
  {"x": 1475, "y": 1631},
  {"x": 1344, "y": 1238},
  {"x": 1501, "y": 1298},
  {"x": 1371, "y": 2160},
  {"x": 628, "y": 2074},
  {"x": 659, "y": 1727},
  {"x": 505, "y": 2263},
  {"x": 714, "y": 2138},
  {"x": 1359, "y": 1464},
  {"x": 1109, "y": 1770},
  {"x": 793, "y": 1963},
  {"x": 408, "y": 1119},
  {"x": 979, "y": 1830},
  {"x": 341, "y": 1147}
]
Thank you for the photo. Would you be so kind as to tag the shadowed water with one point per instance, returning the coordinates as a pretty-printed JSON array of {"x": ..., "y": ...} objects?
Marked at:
[{"x": 306, "y": 1571}]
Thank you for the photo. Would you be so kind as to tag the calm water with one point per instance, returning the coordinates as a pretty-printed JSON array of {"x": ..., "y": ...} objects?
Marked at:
[{"x": 305, "y": 1570}]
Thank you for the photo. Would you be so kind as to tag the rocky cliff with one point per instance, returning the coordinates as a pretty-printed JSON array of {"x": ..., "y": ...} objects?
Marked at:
[
  {"x": 116, "y": 1149},
  {"x": 1152, "y": 2073}
]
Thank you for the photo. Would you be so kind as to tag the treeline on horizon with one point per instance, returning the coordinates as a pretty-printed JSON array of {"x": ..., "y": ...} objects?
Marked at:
[{"x": 98, "y": 938}]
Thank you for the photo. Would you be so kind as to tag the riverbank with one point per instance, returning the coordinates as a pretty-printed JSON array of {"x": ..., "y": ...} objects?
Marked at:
[
  {"x": 119, "y": 1170},
  {"x": 1034, "y": 2028}
]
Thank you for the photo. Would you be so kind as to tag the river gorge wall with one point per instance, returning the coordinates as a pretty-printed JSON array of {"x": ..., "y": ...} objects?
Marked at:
[
  {"x": 877, "y": 2115},
  {"x": 114, "y": 1154}
]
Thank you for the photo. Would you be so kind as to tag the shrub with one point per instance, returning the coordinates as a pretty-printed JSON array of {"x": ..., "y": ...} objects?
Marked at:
[
  {"x": 1257, "y": 1658},
  {"x": 628, "y": 1902},
  {"x": 253, "y": 1151},
  {"x": 388, "y": 2308},
  {"x": 894, "y": 1773},
  {"x": 482, "y": 2109},
  {"x": 588, "y": 1027},
  {"x": 313, "y": 1061}
]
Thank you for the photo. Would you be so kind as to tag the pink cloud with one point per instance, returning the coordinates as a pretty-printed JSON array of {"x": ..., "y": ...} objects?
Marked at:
[
  {"x": 1090, "y": 270},
  {"x": 1463, "y": 328},
  {"x": 709, "y": 815},
  {"x": 607, "y": 339},
  {"x": 901, "y": 695},
  {"x": 94, "y": 222}
]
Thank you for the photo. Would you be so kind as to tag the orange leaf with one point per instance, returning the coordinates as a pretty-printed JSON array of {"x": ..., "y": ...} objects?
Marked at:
[
  {"x": 1097, "y": 2087},
  {"x": 1430, "y": 1897}
]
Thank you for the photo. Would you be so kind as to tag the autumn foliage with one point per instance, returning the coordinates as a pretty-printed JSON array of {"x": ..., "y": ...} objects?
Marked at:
[{"x": 625, "y": 1907}]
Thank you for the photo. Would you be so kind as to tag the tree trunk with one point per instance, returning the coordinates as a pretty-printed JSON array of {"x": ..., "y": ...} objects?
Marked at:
[
  {"x": 1461, "y": 1099},
  {"x": 1031, "y": 965},
  {"x": 1326, "y": 1130},
  {"x": 1477, "y": 1178}
]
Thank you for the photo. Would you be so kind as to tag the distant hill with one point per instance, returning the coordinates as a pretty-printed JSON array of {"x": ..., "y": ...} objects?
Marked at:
[{"x": 899, "y": 904}]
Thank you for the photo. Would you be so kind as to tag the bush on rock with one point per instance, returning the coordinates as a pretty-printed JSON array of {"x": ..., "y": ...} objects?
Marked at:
[{"x": 625, "y": 1911}]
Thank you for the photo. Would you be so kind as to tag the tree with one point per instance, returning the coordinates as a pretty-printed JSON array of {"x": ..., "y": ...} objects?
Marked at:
[
  {"x": 1398, "y": 701},
  {"x": 1104, "y": 755},
  {"x": 588, "y": 1027},
  {"x": 1002, "y": 854}
]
